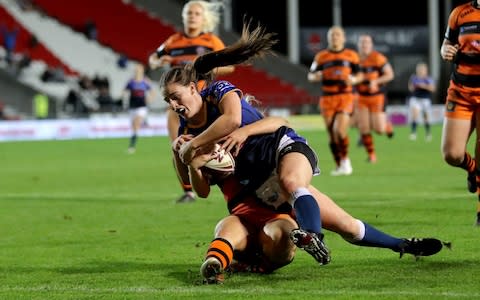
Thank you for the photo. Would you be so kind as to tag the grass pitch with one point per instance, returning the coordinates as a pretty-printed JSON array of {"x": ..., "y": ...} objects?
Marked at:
[{"x": 84, "y": 220}]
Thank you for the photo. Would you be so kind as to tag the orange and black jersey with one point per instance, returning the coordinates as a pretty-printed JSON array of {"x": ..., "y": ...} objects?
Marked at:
[
  {"x": 372, "y": 68},
  {"x": 235, "y": 193},
  {"x": 464, "y": 29},
  {"x": 186, "y": 49},
  {"x": 336, "y": 67}
]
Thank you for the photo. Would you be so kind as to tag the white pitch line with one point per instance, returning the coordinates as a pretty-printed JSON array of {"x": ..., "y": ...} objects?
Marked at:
[{"x": 228, "y": 291}]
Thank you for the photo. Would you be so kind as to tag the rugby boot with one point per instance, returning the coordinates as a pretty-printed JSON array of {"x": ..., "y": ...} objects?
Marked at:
[
  {"x": 212, "y": 271},
  {"x": 422, "y": 246},
  {"x": 312, "y": 243}
]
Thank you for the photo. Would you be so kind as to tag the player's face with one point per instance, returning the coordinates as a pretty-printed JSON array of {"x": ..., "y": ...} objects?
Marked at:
[
  {"x": 422, "y": 70},
  {"x": 195, "y": 17},
  {"x": 336, "y": 38},
  {"x": 365, "y": 44},
  {"x": 184, "y": 100}
]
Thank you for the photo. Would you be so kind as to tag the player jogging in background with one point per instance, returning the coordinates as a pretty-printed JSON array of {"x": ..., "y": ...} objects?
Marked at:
[
  {"x": 370, "y": 111},
  {"x": 337, "y": 68},
  {"x": 200, "y": 18},
  {"x": 140, "y": 93},
  {"x": 421, "y": 87},
  {"x": 461, "y": 47}
]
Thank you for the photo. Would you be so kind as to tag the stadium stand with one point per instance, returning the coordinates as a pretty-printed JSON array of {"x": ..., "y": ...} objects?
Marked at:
[
  {"x": 24, "y": 43},
  {"x": 69, "y": 49},
  {"x": 110, "y": 18}
]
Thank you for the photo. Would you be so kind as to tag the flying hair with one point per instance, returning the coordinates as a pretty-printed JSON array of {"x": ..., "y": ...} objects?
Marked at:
[{"x": 252, "y": 44}]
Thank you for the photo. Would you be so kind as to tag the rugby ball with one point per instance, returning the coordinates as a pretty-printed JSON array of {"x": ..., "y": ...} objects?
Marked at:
[{"x": 223, "y": 162}]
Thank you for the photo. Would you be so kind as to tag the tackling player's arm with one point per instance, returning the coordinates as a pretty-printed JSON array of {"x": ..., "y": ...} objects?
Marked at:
[
  {"x": 200, "y": 182},
  {"x": 226, "y": 123},
  {"x": 235, "y": 140}
]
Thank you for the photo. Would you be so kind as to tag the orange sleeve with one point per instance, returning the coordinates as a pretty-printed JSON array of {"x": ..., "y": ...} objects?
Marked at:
[
  {"x": 217, "y": 43},
  {"x": 453, "y": 18}
]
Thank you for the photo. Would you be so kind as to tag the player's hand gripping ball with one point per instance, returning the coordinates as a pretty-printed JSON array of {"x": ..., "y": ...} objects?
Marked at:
[{"x": 223, "y": 161}]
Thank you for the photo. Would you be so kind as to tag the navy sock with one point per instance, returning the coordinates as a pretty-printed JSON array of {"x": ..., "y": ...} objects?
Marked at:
[
  {"x": 414, "y": 127},
  {"x": 307, "y": 212},
  {"x": 427, "y": 128},
  {"x": 133, "y": 141},
  {"x": 375, "y": 238}
]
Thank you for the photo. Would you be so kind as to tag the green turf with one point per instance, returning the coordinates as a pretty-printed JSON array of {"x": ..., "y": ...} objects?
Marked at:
[{"x": 84, "y": 220}]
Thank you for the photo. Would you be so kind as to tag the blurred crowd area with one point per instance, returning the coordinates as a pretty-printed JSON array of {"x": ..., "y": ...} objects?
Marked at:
[{"x": 85, "y": 94}]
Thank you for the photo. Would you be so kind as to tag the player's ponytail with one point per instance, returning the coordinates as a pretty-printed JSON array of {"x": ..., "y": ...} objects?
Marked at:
[{"x": 255, "y": 43}]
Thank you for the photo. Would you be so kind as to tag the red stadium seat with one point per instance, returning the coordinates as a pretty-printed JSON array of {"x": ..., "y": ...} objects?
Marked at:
[
  {"x": 135, "y": 33},
  {"x": 23, "y": 44}
]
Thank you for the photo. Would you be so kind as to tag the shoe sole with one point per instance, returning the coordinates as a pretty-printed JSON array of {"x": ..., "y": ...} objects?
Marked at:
[{"x": 212, "y": 272}]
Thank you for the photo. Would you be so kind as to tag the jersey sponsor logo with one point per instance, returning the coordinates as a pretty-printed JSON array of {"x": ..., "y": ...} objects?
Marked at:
[
  {"x": 475, "y": 43},
  {"x": 466, "y": 13},
  {"x": 287, "y": 149},
  {"x": 451, "y": 106},
  {"x": 201, "y": 50},
  {"x": 177, "y": 52}
]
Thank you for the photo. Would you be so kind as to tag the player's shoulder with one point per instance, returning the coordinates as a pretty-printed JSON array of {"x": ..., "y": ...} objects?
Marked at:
[
  {"x": 212, "y": 39},
  {"x": 210, "y": 35},
  {"x": 323, "y": 54},
  {"x": 379, "y": 57},
  {"x": 351, "y": 54},
  {"x": 174, "y": 38},
  {"x": 350, "y": 51},
  {"x": 463, "y": 11}
]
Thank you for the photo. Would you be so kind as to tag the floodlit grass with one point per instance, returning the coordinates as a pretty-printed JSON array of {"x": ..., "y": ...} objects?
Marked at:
[{"x": 84, "y": 220}]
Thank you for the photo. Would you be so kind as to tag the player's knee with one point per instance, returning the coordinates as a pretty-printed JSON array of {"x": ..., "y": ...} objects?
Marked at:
[
  {"x": 452, "y": 157},
  {"x": 292, "y": 181}
]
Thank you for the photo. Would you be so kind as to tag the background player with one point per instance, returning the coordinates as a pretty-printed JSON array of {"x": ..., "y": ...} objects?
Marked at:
[
  {"x": 460, "y": 46},
  {"x": 421, "y": 86},
  {"x": 370, "y": 110},
  {"x": 139, "y": 92},
  {"x": 337, "y": 68},
  {"x": 200, "y": 18}
]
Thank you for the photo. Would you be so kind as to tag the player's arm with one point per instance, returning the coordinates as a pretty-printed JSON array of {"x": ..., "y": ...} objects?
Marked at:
[
  {"x": 356, "y": 76},
  {"x": 151, "y": 94},
  {"x": 448, "y": 50},
  {"x": 387, "y": 75},
  {"x": 314, "y": 75},
  {"x": 430, "y": 86},
  {"x": 200, "y": 182},
  {"x": 235, "y": 140},
  {"x": 220, "y": 71},
  {"x": 125, "y": 97},
  {"x": 159, "y": 58},
  {"x": 226, "y": 123},
  {"x": 180, "y": 168}
]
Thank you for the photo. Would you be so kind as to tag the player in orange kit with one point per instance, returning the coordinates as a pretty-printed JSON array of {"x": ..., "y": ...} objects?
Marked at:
[
  {"x": 200, "y": 18},
  {"x": 370, "y": 110},
  {"x": 337, "y": 68}
]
